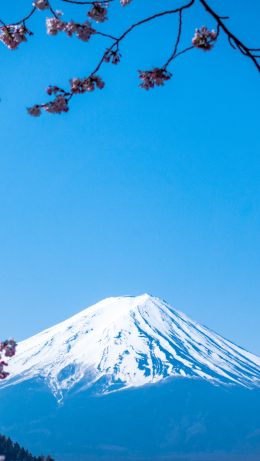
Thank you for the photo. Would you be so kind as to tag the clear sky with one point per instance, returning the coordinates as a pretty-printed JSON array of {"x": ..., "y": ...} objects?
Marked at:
[{"x": 132, "y": 191}]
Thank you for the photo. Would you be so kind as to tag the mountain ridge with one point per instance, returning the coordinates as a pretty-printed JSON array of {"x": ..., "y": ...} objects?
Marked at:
[{"x": 129, "y": 341}]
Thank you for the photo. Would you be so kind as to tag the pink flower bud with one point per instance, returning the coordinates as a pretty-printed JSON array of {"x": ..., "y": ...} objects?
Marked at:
[
  {"x": 154, "y": 77},
  {"x": 203, "y": 38},
  {"x": 125, "y": 2},
  {"x": 41, "y": 4},
  {"x": 98, "y": 13}
]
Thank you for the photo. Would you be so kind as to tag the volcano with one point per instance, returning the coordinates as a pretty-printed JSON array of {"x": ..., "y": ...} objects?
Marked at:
[{"x": 132, "y": 378}]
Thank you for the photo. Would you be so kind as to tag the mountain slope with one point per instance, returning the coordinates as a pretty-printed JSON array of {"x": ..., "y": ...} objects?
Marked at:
[
  {"x": 173, "y": 420},
  {"x": 127, "y": 342}
]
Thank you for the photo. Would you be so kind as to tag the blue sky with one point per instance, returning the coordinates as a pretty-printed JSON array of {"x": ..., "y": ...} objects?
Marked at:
[{"x": 132, "y": 191}]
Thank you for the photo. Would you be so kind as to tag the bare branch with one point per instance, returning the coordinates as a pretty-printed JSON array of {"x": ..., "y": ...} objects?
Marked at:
[
  {"x": 233, "y": 40},
  {"x": 176, "y": 43},
  {"x": 139, "y": 23}
]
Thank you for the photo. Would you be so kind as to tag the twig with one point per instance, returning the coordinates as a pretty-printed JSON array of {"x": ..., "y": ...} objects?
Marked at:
[
  {"x": 233, "y": 40},
  {"x": 137, "y": 24},
  {"x": 176, "y": 43}
]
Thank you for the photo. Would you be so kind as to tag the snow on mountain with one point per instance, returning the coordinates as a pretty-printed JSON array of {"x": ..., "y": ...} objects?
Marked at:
[{"x": 128, "y": 341}]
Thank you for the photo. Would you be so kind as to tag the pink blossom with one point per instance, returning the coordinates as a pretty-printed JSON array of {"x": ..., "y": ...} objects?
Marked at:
[
  {"x": 81, "y": 85},
  {"x": 112, "y": 56},
  {"x": 53, "y": 89},
  {"x": 12, "y": 35},
  {"x": 54, "y": 25},
  {"x": 57, "y": 106},
  {"x": 41, "y": 4},
  {"x": 83, "y": 31},
  {"x": 8, "y": 348},
  {"x": 154, "y": 77},
  {"x": 35, "y": 110},
  {"x": 125, "y": 2},
  {"x": 70, "y": 28},
  {"x": 203, "y": 38},
  {"x": 98, "y": 12},
  {"x": 3, "y": 373}
]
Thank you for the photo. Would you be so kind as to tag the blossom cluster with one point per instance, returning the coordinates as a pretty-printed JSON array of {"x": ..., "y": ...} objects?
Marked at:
[
  {"x": 35, "y": 110},
  {"x": 14, "y": 34},
  {"x": 203, "y": 38},
  {"x": 112, "y": 56},
  {"x": 98, "y": 12},
  {"x": 83, "y": 31},
  {"x": 82, "y": 85},
  {"x": 154, "y": 77},
  {"x": 57, "y": 106},
  {"x": 8, "y": 349},
  {"x": 61, "y": 101},
  {"x": 125, "y": 2},
  {"x": 53, "y": 89},
  {"x": 41, "y": 4}
]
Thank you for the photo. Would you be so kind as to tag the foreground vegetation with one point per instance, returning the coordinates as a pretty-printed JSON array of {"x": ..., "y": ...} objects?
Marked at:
[{"x": 12, "y": 451}]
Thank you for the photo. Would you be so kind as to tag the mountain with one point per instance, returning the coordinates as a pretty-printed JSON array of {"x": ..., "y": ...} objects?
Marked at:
[
  {"x": 133, "y": 379},
  {"x": 128, "y": 342}
]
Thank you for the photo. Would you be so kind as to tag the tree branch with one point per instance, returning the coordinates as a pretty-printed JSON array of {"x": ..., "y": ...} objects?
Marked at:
[
  {"x": 176, "y": 43},
  {"x": 139, "y": 23},
  {"x": 233, "y": 40}
]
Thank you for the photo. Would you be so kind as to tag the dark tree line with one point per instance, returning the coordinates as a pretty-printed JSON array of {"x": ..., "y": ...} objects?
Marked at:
[{"x": 12, "y": 451}]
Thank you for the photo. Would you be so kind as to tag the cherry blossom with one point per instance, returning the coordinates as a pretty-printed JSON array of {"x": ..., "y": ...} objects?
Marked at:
[
  {"x": 112, "y": 56},
  {"x": 57, "y": 106},
  {"x": 41, "y": 4},
  {"x": 13, "y": 35},
  {"x": 154, "y": 77},
  {"x": 54, "y": 25},
  {"x": 125, "y": 2},
  {"x": 8, "y": 349},
  {"x": 3, "y": 374},
  {"x": 83, "y": 31},
  {"x": 81, "y": 85},
  {"x": 61, "y": 101},
  {"x": 98, "y": 13},
  {"x": 35, "y": 110},
  {"x": 203, "y": 38}
]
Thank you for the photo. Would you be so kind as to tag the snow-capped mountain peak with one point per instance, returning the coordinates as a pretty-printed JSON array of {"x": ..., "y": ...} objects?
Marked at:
[{"x": 130, "y": 341}]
